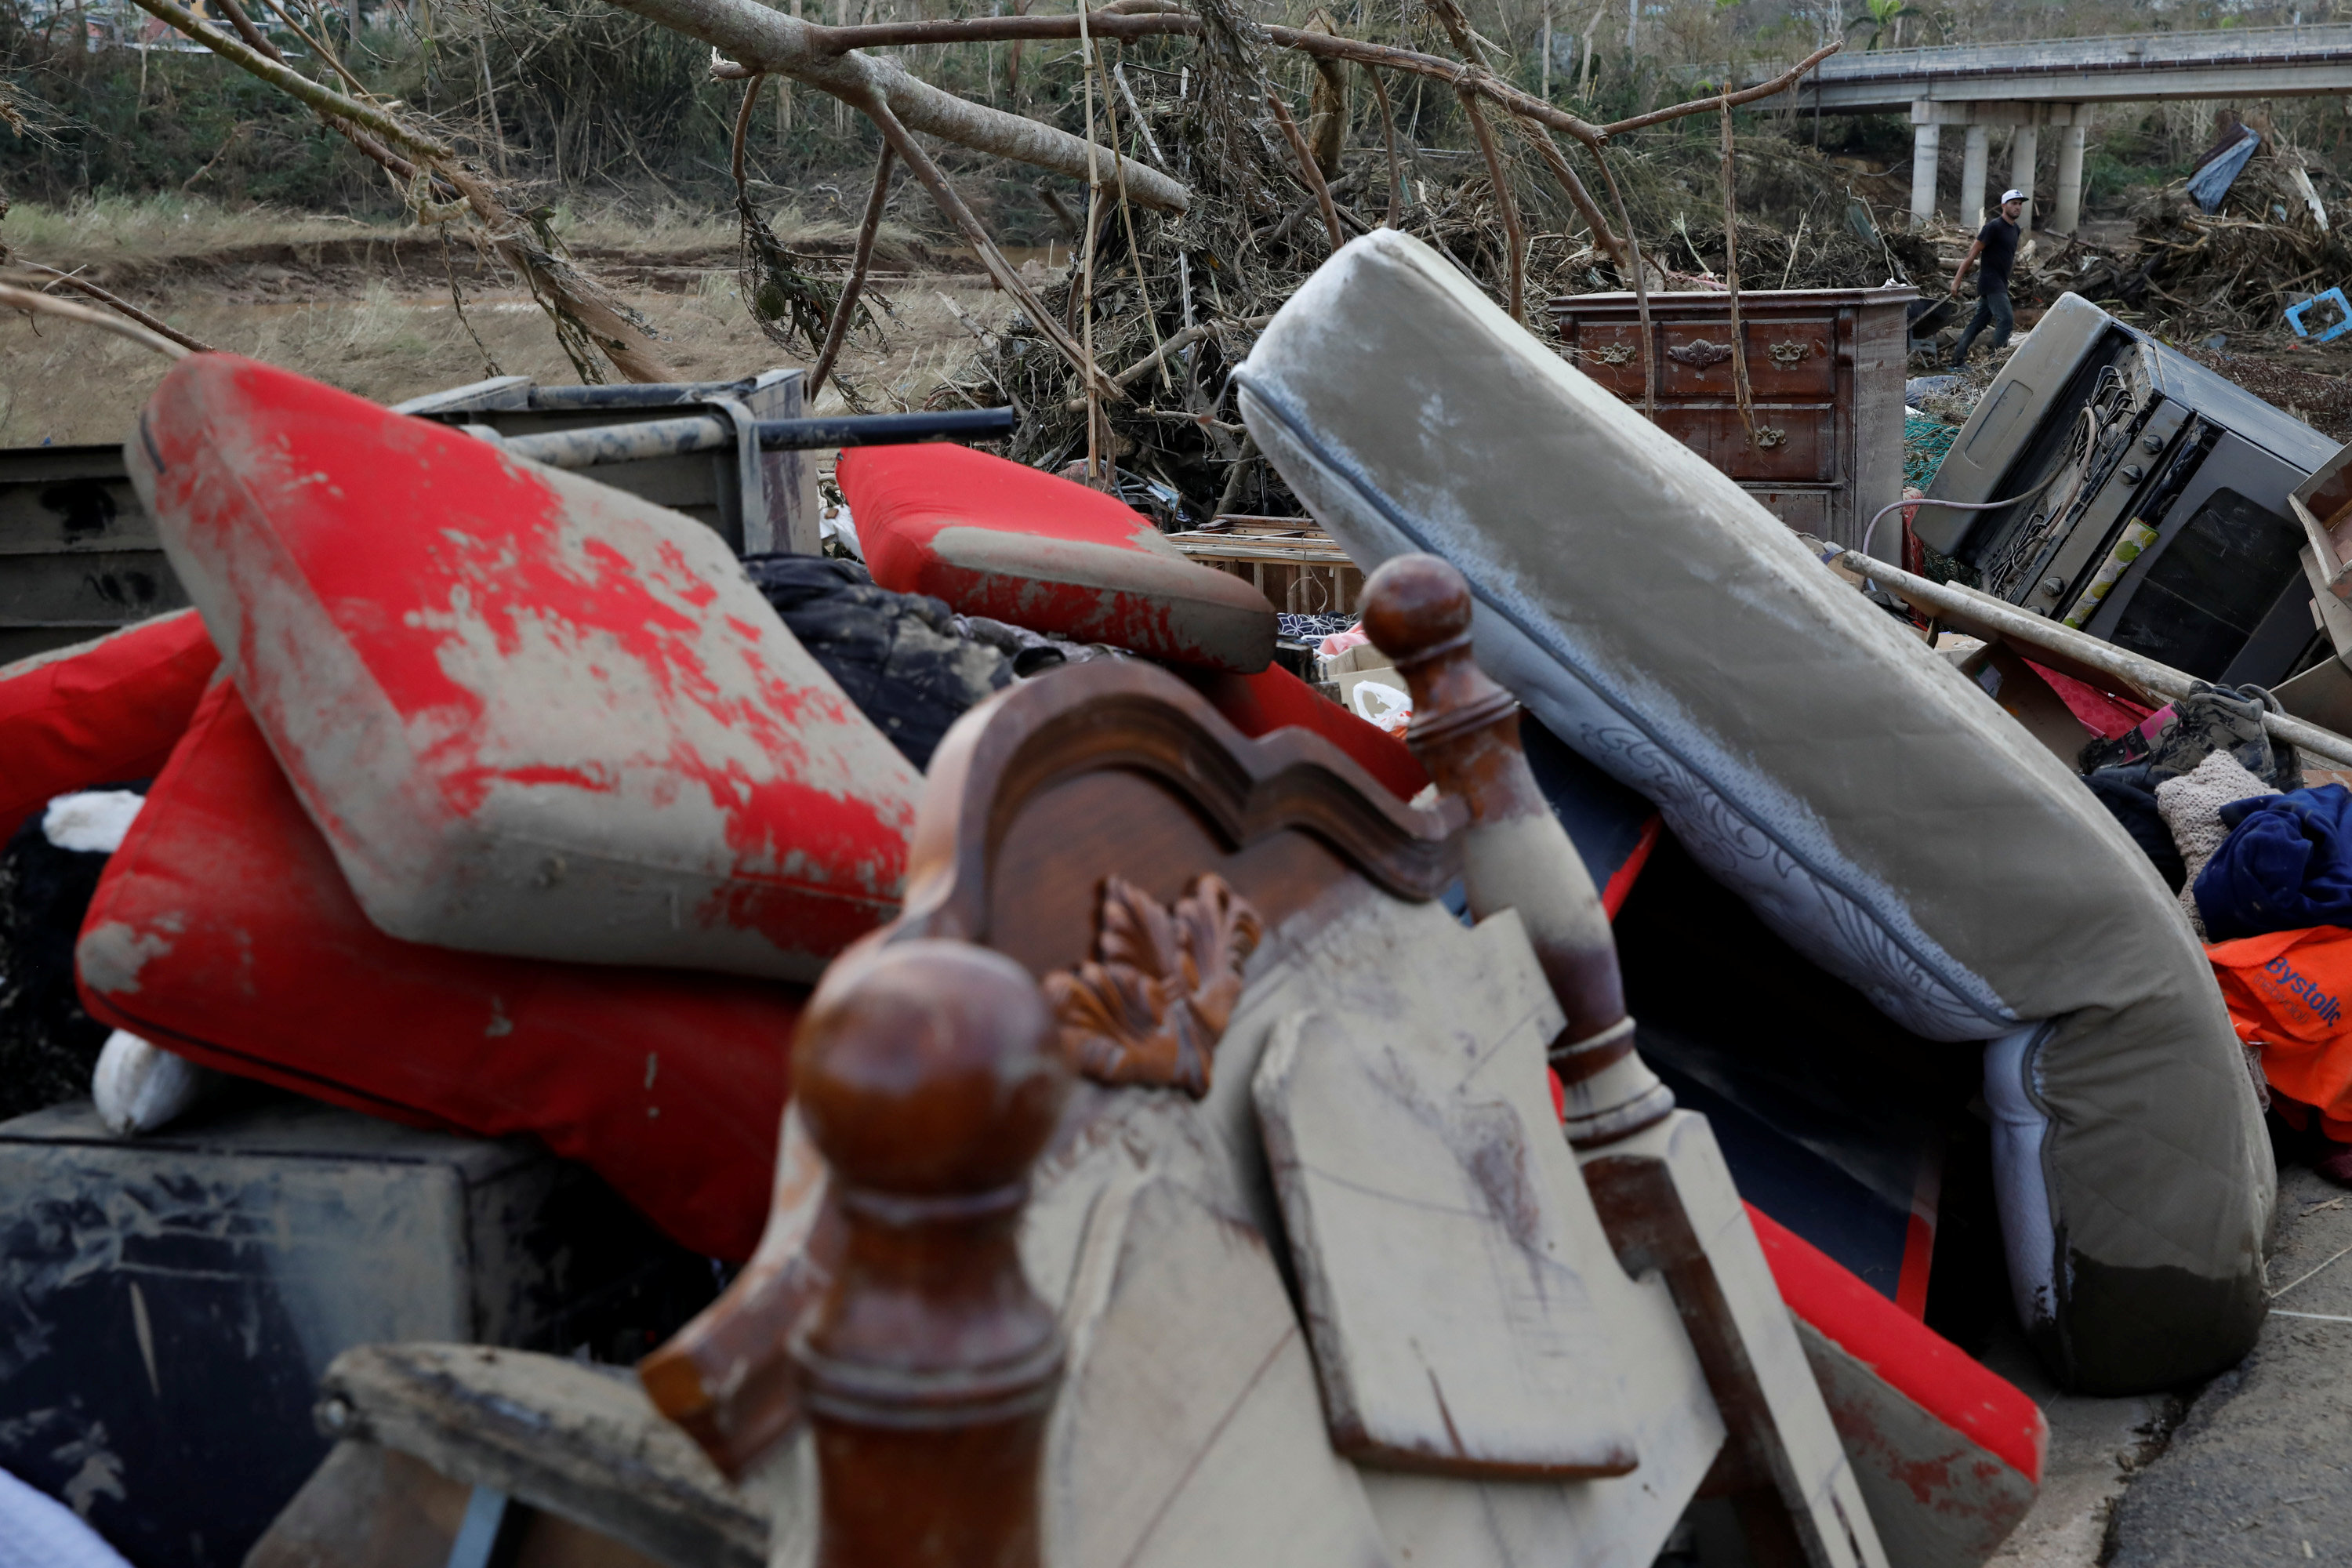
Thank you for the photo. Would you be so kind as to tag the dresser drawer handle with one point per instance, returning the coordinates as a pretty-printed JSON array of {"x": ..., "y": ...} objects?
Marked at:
[
  {"x": 1699, "y": 354},
  {"x": 1787, "y": 354},
  {"x": 1616, "y": 354},
  {"x": 1768, "y": 438}
]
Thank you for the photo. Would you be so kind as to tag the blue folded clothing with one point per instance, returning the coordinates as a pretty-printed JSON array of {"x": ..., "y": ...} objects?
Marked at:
[{"x": 2286, "y": 865}]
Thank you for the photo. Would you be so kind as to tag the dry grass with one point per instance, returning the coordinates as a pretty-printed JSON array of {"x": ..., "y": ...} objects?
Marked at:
[
  {"x": 165, "y": 224},
  {"x": 65, "y": 384}
]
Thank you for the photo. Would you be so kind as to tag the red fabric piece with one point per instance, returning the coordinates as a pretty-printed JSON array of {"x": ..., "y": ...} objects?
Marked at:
[
  {"x": 2287, "y": 993},
  {"x": 1274, "y": 699},
  {"x": 2108, "y": 717},
  {"x": 98, "y": 712},
  {"x": 531, "y": 714},
  {"x": 1913, "y": 1359},
  {"x": 223, "y": 930},
  {"x": 1621, "y": 880},
  {"x": 998, "y": 538}
]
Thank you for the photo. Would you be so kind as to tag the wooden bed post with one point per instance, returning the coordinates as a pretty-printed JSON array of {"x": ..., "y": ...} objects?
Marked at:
[
  {"x": 926, "y": 1074},
  {"x": 1466, "y": 731}
]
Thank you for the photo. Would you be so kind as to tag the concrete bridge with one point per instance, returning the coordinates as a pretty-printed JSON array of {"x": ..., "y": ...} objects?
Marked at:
[{"x": 2056, "y": 82}]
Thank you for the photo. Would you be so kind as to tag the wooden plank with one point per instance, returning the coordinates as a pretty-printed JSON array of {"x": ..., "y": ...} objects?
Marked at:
[
  {"x": 1187, "y": 1430},
  {"x": 1444, "y": 1284},
  {"x": 575, "y": 1440},
  {"x": 1374, "y": 955}
]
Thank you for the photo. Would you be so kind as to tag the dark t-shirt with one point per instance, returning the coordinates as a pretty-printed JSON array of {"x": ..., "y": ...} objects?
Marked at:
[{"x": 1998, "y": 238}]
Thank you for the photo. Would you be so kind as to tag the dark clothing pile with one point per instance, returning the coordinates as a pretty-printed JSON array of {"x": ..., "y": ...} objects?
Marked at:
[
  {"x": 910, "y": 664},
  {"x": 47, "y": 1043},
  {"x": 2286, "y": 865},
  {"x": 2124, "y": 772}
]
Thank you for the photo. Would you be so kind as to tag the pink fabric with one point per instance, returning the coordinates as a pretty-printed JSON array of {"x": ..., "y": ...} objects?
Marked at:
[
  {"x": 2108, "y": 717},
  {"x": 1338, "y": 643}
]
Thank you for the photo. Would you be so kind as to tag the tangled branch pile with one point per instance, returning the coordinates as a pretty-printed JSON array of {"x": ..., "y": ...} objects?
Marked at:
[{"x": 2235, "y": 270}]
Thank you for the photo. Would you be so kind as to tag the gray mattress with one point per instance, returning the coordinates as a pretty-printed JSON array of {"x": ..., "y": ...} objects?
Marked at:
[{"x": 1896, "y": 828}]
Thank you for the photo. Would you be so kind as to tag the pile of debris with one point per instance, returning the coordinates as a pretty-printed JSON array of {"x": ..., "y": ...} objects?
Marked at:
[{"x": 2270, "y": 243}]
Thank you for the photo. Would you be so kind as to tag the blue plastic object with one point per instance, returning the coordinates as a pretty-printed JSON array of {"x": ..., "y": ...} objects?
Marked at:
[{"x": 2333, "y": 297}]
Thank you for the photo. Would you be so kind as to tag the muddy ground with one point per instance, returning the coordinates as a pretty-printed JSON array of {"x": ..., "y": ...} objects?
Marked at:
[{"x": 372, "y": 311}]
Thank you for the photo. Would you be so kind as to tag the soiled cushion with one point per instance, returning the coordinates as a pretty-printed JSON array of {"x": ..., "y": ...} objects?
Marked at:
[
  {"x": 222, "y": 930},
  {"x": 106, "y": 711},
  {"x": 1948, "y": 1454},
  {"x": 995, "y": 538},
  {"x": 1893, "y": 826},
  {"x": 530, "y": 714}
]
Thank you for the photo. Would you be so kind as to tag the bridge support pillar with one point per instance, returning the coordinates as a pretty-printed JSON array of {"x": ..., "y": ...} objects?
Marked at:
[
  {"x": 1924, "y": 140},
  {"x": 2025, "y": 143},
  {"x": 1972, "y": 179},
  {"x": 2068, "y": 214}
]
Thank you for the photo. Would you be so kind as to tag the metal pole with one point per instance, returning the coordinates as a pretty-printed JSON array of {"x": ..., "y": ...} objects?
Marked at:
[
  {"x": 709, "y": 432},
  {"x": 2022, "y": 625}
]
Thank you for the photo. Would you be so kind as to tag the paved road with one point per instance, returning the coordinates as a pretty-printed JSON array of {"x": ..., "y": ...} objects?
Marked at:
[{"x": 2261, "y": 1471}]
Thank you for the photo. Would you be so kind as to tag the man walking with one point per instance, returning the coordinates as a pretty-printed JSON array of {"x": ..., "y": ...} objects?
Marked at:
[{"x": 1997, "y": 247}]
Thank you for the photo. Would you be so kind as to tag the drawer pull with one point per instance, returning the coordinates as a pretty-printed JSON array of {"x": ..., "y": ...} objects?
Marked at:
[
  {"x": 1787, "y": 354},
  {"x": 1768, "y": 438},
  {"x": 1699, "y": 354},
  {"x": 1614, "y": 354}
]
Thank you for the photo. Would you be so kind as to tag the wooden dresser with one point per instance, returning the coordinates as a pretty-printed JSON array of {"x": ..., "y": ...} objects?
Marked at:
[{"x": 1825, "y": 371}]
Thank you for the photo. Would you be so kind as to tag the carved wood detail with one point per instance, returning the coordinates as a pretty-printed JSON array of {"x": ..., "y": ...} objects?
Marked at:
[
  {"x": 1699, "y": 354},
  {"x": 1151, "y": 1004},
  {"x": 1127, "y": 754},
  {"x": 1126, "y": 716}
]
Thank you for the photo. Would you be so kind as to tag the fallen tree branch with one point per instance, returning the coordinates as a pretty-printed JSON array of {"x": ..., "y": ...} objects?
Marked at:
[
  {"x": 859, "y": 262},
  {"x": 1161, "y": 24},
  {"x": 34, "y": 302},
  {"x": 1308, "y": 172},
  {"x": 1779, "y": 84},
  {"x": 153, "y": 323},
  {"x": 761, "y": 39},
  {"x": 1514, "y": 234},
  {"x": 1578, "y": 196},
  {"x": 951, "y": 206},
  {"x": 572, "y": 302},
  {"x": 1177, "y": 343},
  {"x": 285, "y": 78}
]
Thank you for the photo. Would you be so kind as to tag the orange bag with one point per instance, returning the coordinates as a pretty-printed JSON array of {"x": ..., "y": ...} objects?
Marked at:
[{"x": 2287, "y": 993}]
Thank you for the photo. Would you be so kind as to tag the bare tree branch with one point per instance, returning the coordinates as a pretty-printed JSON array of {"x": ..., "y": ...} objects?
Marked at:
[
  {"x": 153, "y": 323},
  {"x": 1515, "y": 234},
  {"x": 37, "y": 303},
  {"x": 1308, "y": 172},
  {"x": 1779, "y": 84},
  {"x": 951, "y": 206},
  {"x": 572, "y": 300},
  {"x": 846, "y": 307},
  {"x": 765, "y": 40}
]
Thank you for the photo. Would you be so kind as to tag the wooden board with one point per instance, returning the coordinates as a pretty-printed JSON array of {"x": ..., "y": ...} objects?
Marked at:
[
  {"x": 1355, "y": 954},
  {"x": 1187, "y": 1430},
  {"x": 1444, "y": 1281}
]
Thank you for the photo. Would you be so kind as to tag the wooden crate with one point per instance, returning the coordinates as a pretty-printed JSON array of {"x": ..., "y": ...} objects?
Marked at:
[{"x": 1299, "y": 568}]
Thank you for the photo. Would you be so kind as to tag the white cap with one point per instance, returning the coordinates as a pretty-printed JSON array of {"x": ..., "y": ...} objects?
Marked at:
[{"x": 2009, "y": 196}]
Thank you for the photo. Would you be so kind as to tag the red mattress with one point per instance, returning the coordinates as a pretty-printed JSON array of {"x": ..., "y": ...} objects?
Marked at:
[
  {"x": 107, "y": 711},
  {"x": 223, "y": 930},
  {"x": 530, "y": 714},
  {"x": 995, "y": 538}
]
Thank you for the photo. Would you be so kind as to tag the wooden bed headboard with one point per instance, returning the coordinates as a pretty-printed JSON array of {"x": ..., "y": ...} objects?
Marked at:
[{"x": 1100, "y": 862}]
